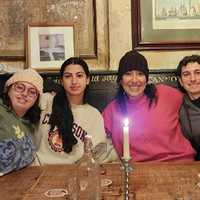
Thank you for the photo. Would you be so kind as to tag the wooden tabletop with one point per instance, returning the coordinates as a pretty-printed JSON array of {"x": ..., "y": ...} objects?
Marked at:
[{"x": 148, "y": 181}]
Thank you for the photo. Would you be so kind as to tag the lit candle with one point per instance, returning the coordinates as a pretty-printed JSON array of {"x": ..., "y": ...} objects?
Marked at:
[{"x": 126, "y": 150}]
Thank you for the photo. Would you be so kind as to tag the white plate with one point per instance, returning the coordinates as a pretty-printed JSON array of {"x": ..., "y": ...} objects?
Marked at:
[
  {"x": 56, "y": 192},
  {"x": 105, "y": 182}
]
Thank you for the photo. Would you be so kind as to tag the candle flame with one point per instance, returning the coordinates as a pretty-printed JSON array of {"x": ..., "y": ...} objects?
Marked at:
[{"x": 126, "y": 122}]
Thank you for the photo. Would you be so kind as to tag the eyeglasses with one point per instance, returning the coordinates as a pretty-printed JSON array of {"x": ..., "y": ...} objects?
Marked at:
[{"x": 20, "y": 87}]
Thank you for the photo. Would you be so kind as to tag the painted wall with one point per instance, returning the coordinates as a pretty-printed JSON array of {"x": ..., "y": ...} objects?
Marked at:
[{"x": 114, "y": 39}]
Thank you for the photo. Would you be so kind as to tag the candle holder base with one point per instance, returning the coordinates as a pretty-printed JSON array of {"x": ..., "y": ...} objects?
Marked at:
[{"x": 127, "y": 168}]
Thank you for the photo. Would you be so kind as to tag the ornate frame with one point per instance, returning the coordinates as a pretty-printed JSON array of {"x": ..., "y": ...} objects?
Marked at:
[
  {"x": 83, "y": 13},
  {"x": 154, "y": 31}
]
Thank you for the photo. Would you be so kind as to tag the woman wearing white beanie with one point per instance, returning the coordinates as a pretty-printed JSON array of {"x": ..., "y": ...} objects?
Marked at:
[{"x": 19, "y": 114}]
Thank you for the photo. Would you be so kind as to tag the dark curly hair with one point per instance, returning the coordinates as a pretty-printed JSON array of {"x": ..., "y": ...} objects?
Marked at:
[
  {"x": 184, "y": 62},
  {"x": 62, "y": 115}
]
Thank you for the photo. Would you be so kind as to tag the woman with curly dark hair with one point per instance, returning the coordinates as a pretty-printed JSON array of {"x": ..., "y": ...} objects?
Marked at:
[
  {"x": 19, "y": 115},
  {"x": 67, "y": 118}
]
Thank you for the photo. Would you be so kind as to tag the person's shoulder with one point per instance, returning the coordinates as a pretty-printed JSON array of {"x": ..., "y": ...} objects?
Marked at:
[
  {"x": 91, "y": 108},
  {"x": 169, "y": 91},
  {"x": 47, "y": 95},
  {"x": 87, "y": 111},
  {"x": 111, "y": 105},
  {"x": 3, "y": 108},
  {"x": 167, "y": 88},
  {"x": 45, "y": 100}
]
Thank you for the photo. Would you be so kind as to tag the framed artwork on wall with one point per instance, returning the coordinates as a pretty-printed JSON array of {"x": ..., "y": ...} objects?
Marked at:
[
  {"x": 83, "y": 13},
  {"x": 49, "y": 45},
  {"x": 165, "y": 25}
]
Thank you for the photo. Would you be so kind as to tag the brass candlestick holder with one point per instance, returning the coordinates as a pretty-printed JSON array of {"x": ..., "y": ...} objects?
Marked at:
[{"x": 127, "y": 168}]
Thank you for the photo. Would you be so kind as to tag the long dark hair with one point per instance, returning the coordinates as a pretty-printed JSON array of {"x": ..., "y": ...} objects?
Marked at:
[
  {"x": 150, "y": 92},
  {"x": 32, "y": 114},
  {"x": 62, "y": 115}
]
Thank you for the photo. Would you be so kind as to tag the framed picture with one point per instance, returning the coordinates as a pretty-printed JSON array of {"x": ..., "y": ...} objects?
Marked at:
[
  {"x": 48, "y": 46},
  {"x": 165, "y": 25},
  {"x": 81, "y": 12}
]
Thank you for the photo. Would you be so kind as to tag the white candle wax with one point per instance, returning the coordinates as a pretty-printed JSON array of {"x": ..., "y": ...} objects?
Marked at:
[{"x": 126, "y": 149}]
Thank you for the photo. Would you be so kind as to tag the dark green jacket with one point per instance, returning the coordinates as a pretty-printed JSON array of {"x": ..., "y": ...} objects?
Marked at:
[{"x": 16, "y": 146}]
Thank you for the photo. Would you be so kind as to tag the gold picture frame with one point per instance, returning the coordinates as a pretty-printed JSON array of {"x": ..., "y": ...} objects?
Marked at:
[{"x": 83, "y": 13}]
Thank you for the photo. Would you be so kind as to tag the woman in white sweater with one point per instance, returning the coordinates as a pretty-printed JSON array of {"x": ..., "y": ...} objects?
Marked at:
[{"x": 67, "y": 117}]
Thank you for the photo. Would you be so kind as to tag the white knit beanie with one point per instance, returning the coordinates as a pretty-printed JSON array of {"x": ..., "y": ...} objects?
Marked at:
[{"x": 28, "y": 75}]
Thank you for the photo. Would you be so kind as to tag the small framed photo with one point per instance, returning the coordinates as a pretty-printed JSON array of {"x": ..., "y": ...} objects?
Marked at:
[{"x": 48, "y": 46}]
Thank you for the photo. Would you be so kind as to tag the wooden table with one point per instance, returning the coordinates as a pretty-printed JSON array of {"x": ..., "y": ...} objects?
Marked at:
[{"x": 149, "y": 181}]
